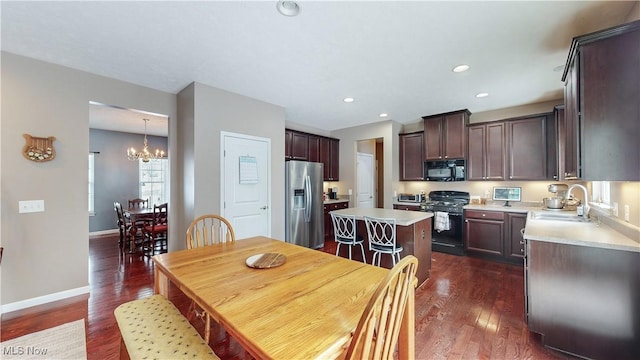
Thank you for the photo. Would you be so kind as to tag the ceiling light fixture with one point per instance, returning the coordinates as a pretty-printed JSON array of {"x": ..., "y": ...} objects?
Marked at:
[
  {"x": 145, "y": 155},
  {"x": 460, "y": 68},
  {"x": 288, "y": 8},
  {"x": 481, "y": 95},
  {"x": 348, "y": 99}
]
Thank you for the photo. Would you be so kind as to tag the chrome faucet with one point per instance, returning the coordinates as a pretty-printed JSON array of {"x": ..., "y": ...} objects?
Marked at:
[{"x": 583, "y": 209}]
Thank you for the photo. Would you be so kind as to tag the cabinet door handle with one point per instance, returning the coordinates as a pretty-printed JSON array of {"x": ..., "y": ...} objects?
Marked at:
[
  {"x": 483, "y": 215},
  {"x": 521, "y": 242}
]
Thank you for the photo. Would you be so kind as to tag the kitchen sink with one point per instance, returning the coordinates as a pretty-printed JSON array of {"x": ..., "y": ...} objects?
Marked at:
[{"x": 557, "y": 216}]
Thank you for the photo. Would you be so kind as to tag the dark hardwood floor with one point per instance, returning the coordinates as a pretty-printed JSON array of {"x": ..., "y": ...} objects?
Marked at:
[{"x": 468, "y": 309}]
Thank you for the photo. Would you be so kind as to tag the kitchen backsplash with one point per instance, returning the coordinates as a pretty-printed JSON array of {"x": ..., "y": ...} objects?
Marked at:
[{"x": 622, "y": 192}]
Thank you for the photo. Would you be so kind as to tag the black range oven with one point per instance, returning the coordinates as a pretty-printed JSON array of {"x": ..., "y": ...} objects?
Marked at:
[{"x": 447, "y": 223}]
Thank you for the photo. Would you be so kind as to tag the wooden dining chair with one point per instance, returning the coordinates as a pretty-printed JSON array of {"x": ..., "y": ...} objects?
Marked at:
[
  {"x": 207, "y": 230},
  {"x": 138, "y": 203},
  {"x": 156, "y": 231},
  {"x": 376, "y": 335},
  {"x": 121, "y": 221},
  {"x": 382, "y": 238}
]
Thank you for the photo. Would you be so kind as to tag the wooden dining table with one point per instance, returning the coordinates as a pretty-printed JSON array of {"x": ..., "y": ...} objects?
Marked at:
[{"x": 306, "y": 308}]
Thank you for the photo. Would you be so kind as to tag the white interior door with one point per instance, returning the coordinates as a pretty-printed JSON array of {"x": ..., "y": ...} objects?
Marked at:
[
  {"x": 246, "y": 184},
  {"x": 365, "y": 175}
]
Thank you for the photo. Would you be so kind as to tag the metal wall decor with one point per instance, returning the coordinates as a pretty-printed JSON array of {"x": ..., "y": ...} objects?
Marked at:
[{"x": 39, "y": 149}]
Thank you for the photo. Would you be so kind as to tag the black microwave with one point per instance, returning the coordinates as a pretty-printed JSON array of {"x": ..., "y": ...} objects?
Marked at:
[{"x": 444, "y": 170}]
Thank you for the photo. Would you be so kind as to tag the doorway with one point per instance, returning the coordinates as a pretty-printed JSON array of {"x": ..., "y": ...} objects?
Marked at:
[
  {"x": 370, "y": 177},
  {"x": 113, "y": 130}
]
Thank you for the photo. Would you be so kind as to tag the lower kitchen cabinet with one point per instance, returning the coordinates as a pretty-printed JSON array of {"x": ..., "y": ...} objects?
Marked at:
[
  {"x": 328, "y": 223},
  {"x": 484, "y": 231},
  {"x": 584, "y": 300},
  {"x": 406, "y": 207},
  {"x": 495, "y": 235}
]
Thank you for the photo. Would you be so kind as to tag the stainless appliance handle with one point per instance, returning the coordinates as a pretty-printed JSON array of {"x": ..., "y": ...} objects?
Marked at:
[{"x": 308, "y": 200}]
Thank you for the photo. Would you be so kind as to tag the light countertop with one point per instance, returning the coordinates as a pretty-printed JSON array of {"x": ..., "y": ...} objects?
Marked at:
[
  {"x": 335, "y": 201},
  {"x": 592, "y": 234},
  {"x": 403, "y": 217}
]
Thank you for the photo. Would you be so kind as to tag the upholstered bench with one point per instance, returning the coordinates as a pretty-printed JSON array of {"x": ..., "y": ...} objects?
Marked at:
[{"x": 153, "y": 328}]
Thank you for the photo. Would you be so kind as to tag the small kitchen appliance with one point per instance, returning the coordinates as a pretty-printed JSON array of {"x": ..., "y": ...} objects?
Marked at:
[
  {"x": 558, "y": 199},
  {"x": 449, "y": 204},
  {"x": 412, "y": 198}
]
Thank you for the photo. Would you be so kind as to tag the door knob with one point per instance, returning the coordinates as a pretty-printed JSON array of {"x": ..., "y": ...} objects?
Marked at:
[{"x": 264, "y": 207}]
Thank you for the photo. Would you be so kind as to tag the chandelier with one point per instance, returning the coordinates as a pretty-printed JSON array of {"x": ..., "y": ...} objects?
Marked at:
[{"x": 145, "y": 155}]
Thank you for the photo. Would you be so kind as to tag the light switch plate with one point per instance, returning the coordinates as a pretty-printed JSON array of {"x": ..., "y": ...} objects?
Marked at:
[
  {"x": 615, "y": 209},
  {"x": 30, "y": 206}
]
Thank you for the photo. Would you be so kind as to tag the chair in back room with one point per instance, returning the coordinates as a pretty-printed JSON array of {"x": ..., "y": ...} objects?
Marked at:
[
  {"x": 157, "y": 230},
  {"x": 138, "y": 203}
]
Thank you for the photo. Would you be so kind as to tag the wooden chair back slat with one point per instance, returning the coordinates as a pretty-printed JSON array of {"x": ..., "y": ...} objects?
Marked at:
[
  {"x": 208, "y": 230},
  {"x": 377, "y": 333}
]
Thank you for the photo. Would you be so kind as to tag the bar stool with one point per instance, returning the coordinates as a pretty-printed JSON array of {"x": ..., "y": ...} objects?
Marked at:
[
  {"x": 382, "y": 238},
  {"x": 344, "y": 229}
]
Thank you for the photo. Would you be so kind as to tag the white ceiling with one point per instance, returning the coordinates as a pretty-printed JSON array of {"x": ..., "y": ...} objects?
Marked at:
[{"x": 392, "y": 57}]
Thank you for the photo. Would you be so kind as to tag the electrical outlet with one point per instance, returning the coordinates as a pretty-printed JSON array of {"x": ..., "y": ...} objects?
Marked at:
[
  {"x": 626, "y": 213},
  {"x": 615, "y": 209}
]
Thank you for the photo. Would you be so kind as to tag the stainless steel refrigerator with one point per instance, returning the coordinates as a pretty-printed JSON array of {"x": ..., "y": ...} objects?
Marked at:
[{"x": 304, "y": 214}]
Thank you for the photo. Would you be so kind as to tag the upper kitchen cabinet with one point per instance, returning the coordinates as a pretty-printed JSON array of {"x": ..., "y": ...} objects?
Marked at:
[
  {"x": 530, "y": 148},
  {"x": 411, "y": 156},
  {"x": 296, "y": 145},
  {"x": 486, "y": 159},
  {"x": 330, "y": 157},
  {"x": 315, "y": 148},
  {"x": 602, "y": 88},
  {"x": 445, "y": 135}
]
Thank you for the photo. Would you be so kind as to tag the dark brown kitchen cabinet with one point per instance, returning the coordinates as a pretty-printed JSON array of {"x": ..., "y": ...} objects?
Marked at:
[
  {"x": 406, "y": 207},
  {"x": 296, "y": 145},
  {"x": 602, "y": 88},
  {"x": 309, "y": 147},
  {"x": 495, "y": 235},
  {"x": 486, "y": 158},
  {"x": 484, "y": 232},
  {"x": 411, "y": 156},
  {"x": 514, "y": 242},
  {"x": 527, "y": 148},
  {"x": 314, "y": 149},
  {"x": 445, "y": 135},
  {"x": 330, "y": 157},
  {"x": 328, "y": 223}
]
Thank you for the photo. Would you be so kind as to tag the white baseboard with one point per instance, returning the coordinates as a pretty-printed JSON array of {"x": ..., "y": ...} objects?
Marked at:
[
  {"x": 19, "y": 305},
  {"x": 104, "y": 232}
]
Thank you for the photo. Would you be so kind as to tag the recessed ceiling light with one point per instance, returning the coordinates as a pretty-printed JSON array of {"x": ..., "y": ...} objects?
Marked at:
[
  {"x": 348, "y": 99},
  {"x": 288, "y": 8},
  {"x": 460, "y": 68},
  {"x": 481, "y": 95},
  {"x": 383, "y": 115}
]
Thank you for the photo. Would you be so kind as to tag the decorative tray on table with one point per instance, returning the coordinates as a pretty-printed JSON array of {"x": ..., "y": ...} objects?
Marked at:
[{"x": 266, "y": 261}]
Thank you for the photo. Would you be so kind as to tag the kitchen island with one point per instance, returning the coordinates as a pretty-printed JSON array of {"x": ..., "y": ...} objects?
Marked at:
[
  {"x": 413, "y": 232},
  {"x": 582, "y": 284}
]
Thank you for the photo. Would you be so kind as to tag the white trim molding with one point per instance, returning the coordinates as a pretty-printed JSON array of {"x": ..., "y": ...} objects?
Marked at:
[{"x": 19, "y": 305}]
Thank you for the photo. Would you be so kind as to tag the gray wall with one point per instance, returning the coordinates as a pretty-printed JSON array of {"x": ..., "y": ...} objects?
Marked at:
[
  {"x": 46, "y": 254},
  {"x": 116, "y": 177},
  {"x": 205, "y": 112}
]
